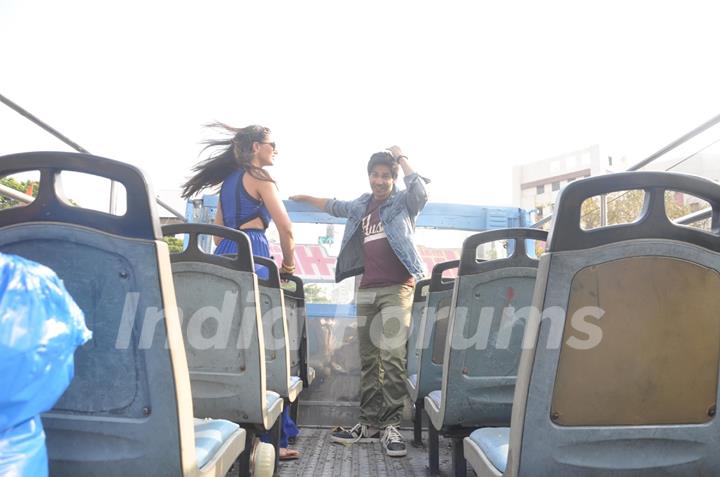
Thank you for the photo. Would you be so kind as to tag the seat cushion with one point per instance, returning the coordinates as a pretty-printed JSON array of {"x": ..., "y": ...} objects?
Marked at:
[
  {"x": 310, "y": 374},
  {"x": 494, "y": 442},
  {"x": 433, "y": 410},
  {"x": 210, "y": 435},
  {"x": 295, "y": 387},
  {"x": 271, "y": 397},
  {"x": 436, "y": 397}
]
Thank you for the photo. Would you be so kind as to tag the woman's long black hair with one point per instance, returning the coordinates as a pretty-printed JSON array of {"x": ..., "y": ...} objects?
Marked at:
[{"x": 235, "y": 152}]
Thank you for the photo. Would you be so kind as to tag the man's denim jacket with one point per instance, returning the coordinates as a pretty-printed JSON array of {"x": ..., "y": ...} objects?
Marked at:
[{"x": 397, "y": 214}]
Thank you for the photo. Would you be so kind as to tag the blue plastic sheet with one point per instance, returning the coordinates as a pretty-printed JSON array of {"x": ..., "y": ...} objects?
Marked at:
[
  {"x": 22, "y": 450},
  {"x": 40, "y": 328}
]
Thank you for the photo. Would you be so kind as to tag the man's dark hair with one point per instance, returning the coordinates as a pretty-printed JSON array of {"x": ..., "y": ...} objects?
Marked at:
[{"x": 383, "y": 159}]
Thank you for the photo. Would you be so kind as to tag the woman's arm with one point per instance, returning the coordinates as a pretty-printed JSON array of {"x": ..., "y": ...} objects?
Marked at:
[
  {"x": 270, "y": 196},
  {"x": 218, "y": 221}
]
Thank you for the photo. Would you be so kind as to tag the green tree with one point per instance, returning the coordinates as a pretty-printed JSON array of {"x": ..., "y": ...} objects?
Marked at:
[
  {"x": 174, "y": 244},
  {"x": 315, "y": 294},
  {"x": 24, "y": 187},
  {"x": 626, "y": 206}
]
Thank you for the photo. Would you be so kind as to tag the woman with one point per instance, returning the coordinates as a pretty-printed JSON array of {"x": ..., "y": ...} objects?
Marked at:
[{"x": 249, "y": 199}]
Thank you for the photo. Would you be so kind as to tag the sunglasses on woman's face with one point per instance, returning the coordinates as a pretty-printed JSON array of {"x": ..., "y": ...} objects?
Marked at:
[{"x": 272, "y": 144}]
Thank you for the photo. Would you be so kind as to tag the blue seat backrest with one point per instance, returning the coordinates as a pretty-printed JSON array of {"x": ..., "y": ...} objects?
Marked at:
[
  {"x": 430, "y": 349},
  {"x": 275, "y": 329},
  {"x": 294, "y": 298},
  {"x": 217, "y": 299},
  {"x": 422, "y": 289},
  {"x": 120, "y": 415},
  {"x": 620, "y": 376},
  {"x": 490, "y": 306}
]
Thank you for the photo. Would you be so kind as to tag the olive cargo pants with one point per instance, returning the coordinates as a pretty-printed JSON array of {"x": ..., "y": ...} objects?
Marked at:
[{"x": 383, "y": 323}]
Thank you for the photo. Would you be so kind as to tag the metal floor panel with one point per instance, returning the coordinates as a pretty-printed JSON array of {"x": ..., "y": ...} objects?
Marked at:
[{"x": 322, "y": 458}]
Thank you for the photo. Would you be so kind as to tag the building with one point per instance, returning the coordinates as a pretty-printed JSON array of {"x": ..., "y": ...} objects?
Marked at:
[{"x": 536, "y": 184}]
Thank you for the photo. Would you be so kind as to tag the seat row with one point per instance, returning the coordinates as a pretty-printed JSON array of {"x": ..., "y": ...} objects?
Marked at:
[
  {"x": 464, "y": 345},
  {"x": 245, "y": 336},
  {"x": 599, "y": 358},
  {"x": 191, "y": 354}
]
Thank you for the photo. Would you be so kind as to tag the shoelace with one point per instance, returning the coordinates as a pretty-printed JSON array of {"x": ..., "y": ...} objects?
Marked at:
[
  {"x": 392, "y": 435},
  {"x": 359, "y": 434}
]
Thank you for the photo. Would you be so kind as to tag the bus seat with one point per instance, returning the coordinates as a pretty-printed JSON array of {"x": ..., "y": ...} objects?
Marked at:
[
  {"x": 294, "y": 298},
  {"x": 493, "y": 441},
  {"x": 128, "y": 410},
  {"x": 430, "y": 341},
  {"x": 619, "y": 370},
  {"x": 210, "y": 436},
  {"x": 218, "y": 300},
  {"x": 482, "y": 349},
  {"x": 422, "y": 289},
  {"x": 275, "y": 332}
]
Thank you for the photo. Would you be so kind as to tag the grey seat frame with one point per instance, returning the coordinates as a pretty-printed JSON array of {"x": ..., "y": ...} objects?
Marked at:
[
  {"x": 117, "y": 269},
  {"x": 428, "y": 371},
  {"x": 479, "y": 400},
  {"x": 296, "y": 315},
  {"x": 422, "y": 288},
  {"x": 294, "y": 298},
  {"x": 537, "y": 445},
  {"x": 276, "y": 334},
  {"x": 228, "y": 377}
]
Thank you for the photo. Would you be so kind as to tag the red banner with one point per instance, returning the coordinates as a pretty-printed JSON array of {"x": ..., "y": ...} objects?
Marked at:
[{"x": 313, "y": 263}]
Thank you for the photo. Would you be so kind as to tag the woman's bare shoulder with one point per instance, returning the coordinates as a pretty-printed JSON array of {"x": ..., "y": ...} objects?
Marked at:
[{"x": 256, "y": 187}]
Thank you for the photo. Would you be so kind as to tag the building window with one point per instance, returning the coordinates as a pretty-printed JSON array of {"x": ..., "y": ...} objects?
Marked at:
[
  {"x": 541, "y": 189},
  {"x": 555, "y": 186}
]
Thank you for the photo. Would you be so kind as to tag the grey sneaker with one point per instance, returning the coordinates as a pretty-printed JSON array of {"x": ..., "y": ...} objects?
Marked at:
[
  {"x": 357, "y": 433},
  {"x": 393, "y": 442}
]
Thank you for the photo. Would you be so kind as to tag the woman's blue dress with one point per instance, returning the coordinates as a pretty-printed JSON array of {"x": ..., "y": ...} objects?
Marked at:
[{"x": 239, "y": 208}]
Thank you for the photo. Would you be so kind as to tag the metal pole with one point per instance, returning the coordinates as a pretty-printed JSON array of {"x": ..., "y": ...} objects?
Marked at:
[
  {"x": 15, "y": 194},
  {"x": 542, "y": 222},
  {"x": 42, "y": 124},
  {"x": 684, "y": 138},
  {"x": 112, "y": 206},
  {"x": 695, "y": 216},
  {"x": 170, "y": 209},
  {"x": 603, "y": 210}
]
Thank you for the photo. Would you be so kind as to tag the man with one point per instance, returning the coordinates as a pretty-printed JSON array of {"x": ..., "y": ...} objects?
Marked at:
[{"x": 379, "y": 244}]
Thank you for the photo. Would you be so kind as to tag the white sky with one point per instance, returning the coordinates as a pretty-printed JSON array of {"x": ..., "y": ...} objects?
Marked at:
[{"x": 467, "y": 88}]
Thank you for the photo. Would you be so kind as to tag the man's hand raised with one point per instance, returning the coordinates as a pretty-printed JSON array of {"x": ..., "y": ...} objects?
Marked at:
[{"x": 395, "y": 151}]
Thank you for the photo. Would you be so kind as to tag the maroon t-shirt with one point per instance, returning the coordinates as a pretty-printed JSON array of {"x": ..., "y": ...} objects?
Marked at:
[{"x": 382, "y": 267}]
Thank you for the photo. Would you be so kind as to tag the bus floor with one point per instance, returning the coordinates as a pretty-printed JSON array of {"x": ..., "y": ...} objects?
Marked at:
[{"x": 321, "y": 458}]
